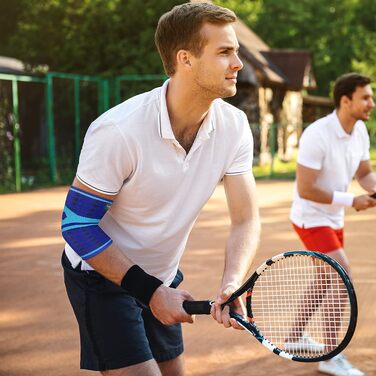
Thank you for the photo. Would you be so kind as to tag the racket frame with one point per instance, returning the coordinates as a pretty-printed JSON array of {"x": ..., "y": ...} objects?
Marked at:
[{"x": 204, "y": 307}]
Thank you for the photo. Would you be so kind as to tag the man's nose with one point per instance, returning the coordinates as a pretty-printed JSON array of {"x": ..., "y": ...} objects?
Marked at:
[{"x": 237, "y": 64}]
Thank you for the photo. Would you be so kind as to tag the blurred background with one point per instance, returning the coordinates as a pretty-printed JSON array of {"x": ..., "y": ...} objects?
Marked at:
[{"x": 64, "y": 62}]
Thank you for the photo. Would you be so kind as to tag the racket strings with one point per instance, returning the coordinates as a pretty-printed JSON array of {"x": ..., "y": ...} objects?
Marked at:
[{"x": 301, "y": 305}]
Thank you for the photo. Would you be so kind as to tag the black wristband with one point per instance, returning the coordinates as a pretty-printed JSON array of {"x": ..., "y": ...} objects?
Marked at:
[{"x": 140, "y": 284}]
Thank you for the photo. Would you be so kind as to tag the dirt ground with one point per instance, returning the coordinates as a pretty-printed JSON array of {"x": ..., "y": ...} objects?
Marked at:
[{"x": 38, "y": 333}]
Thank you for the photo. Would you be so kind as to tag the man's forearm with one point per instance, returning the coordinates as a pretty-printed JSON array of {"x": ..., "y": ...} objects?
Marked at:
[
  {"x": 316, "y": 194},
  {"x": 240, "y": 251},
  {"x": 368, "y": 182},
  {"x": 111, "y": 263}
]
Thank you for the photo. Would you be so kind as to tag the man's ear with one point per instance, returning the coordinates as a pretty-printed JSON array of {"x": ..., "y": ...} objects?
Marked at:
[
  {"x": 183, "y": 59},
  {"x": 345, "y": 101}
]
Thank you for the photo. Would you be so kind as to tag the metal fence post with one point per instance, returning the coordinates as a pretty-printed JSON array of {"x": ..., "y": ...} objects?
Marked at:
[
  {"x": 16, "y": 135},
  {"x": 77, "y": 119},
  {"x": 272, "y": 141},
  {"x": 117, "y": 91},
  {"x": 105, "y": 95},
  {"x": 50, "y": 128}
]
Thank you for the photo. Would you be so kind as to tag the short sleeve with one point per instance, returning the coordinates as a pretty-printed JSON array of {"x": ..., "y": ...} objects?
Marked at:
[
  {"x": 104, "y": 162},
  {"x": 366, "y": 142},
  {"x": 242, "y": 162},
  {"x": 311, "y": 151}
]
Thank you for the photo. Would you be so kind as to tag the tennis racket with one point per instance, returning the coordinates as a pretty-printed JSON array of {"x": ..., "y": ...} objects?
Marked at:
[{"x": 301, "y": 305}]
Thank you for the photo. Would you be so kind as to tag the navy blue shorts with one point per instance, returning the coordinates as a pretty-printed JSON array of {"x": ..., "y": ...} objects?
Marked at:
[{"x": 116, "y": 331}]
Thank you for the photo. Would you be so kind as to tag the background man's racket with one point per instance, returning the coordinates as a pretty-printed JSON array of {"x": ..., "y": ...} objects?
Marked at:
[{"x": 300, "y": 304}]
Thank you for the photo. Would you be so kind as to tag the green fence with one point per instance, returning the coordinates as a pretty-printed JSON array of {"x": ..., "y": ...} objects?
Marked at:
[
  {"x": 43, "y": 121},
  {"x": 66, "y": 114},
  {"x": 102, "y": 105},
  {"x": 127, "y": 86},
  {"x": 14, "y": 123}
]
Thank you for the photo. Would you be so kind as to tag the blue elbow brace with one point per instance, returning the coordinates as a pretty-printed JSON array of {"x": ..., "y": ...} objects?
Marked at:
[{"x": 80, "y": 223}]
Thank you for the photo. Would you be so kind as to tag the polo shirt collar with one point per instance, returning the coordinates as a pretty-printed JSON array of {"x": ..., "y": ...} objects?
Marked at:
[
  {"x": 207, "y": 125},
  {"x": 165, "y": 128},
  {"x": 164, "y": 120},
  {"x": 340, "y": 132}
]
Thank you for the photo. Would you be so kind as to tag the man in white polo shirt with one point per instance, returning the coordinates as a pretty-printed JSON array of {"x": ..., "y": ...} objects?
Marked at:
[
  {"x": 146, "y": 169},
  {"x": 332, "y": 151}
]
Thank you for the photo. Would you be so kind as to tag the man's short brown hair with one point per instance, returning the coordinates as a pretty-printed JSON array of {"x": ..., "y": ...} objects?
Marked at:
[
  {"x": 347, "y": 84},
  {"x": 180, "y": 28}
]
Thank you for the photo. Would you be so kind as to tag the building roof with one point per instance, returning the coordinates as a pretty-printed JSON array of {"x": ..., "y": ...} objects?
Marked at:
[
  {"x": 251, "y": 46},
  {"x": 295, "y": 65},
  {"x": 11, "y": 65}
]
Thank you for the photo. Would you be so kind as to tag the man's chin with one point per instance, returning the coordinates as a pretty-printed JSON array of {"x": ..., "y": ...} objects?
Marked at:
[
  {"x": 229, "y": 93},
  {"x": 364, "y": 116}
]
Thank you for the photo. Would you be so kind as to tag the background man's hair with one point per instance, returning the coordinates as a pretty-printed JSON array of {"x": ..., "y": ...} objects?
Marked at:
[
  {"x": 180, "y": 28},
  {"x": 347, "y": 84}
]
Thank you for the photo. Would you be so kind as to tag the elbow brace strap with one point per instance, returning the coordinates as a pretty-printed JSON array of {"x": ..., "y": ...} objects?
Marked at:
[{"x": 80, "y": 223}]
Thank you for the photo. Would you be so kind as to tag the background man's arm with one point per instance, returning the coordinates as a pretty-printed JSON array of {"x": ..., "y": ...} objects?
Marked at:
[
  {"x": 366, "y": 177},
  {"x": 306, "y": 179},
  {"x": 308, "y": 188}
]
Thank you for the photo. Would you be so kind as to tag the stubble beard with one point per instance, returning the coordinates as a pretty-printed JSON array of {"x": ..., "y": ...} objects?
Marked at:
[
  {"x": 212, "y": 92},
  {"x": 361, "y": 115}
]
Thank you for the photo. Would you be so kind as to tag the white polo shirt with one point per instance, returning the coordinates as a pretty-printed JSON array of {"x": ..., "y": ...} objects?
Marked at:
[
  {"x": 131, "y": 151},
  {"x": 325, "y": 146}
]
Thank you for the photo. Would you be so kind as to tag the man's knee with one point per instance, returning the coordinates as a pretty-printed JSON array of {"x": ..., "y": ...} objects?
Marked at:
[
  {"x": 148, "y": 368},
  {"x": 340, "y": 256},
  {"x": 173, "y": 367}
]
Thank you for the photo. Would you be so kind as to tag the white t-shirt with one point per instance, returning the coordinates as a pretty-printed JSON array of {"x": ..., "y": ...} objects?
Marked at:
[
  {"x": 131, "y": 151},
  {"x": 325, "y": 146}
]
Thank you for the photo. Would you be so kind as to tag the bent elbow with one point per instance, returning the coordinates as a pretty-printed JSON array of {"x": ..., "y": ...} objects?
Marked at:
[{"x": 304, "y": 193}]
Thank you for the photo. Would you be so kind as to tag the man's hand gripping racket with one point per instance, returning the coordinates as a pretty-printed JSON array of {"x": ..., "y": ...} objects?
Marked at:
[{"x": 300, "y": 304}]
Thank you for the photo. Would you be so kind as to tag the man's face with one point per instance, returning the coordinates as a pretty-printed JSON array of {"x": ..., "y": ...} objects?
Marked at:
[
  {"x": 215, "y": 71},
  {"x": 361, "y": 103}
]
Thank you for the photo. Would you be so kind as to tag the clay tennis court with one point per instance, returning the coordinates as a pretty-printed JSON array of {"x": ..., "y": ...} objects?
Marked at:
[{"x": 38, "y": 333}]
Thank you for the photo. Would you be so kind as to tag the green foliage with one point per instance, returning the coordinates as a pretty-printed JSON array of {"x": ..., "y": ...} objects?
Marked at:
[
  {"x": 373, "y": 158},
  {"x": 116, "y": 37},
  {"x": 9, "y": 15},
  {"x": 247, "y": 11},
  {"x": 364, "y": 40},
  {"x": 88, "y": 36},
  {"x": 276, "y": 170}
]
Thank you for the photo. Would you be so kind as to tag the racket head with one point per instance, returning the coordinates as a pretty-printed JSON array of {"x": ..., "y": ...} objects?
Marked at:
[{"x": 301, "y": 305}]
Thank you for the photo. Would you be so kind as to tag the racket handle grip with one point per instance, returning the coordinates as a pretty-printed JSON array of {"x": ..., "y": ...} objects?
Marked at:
[{"x": 199, "y": 307}]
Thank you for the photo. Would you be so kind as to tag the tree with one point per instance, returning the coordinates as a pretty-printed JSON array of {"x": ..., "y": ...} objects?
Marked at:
[
  {"x": 364, "y": 39},
  {"x": 89, "y": 36}
]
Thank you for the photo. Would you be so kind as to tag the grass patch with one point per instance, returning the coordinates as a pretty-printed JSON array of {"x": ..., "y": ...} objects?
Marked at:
[
  {"x": 278, "y": 170},
  {"x": 286, "y": 170},
  {"x": 373, "y": 158}
]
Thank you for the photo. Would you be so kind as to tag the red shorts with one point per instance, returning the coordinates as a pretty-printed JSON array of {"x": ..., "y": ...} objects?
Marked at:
[{"x": 322, "y": 239}]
